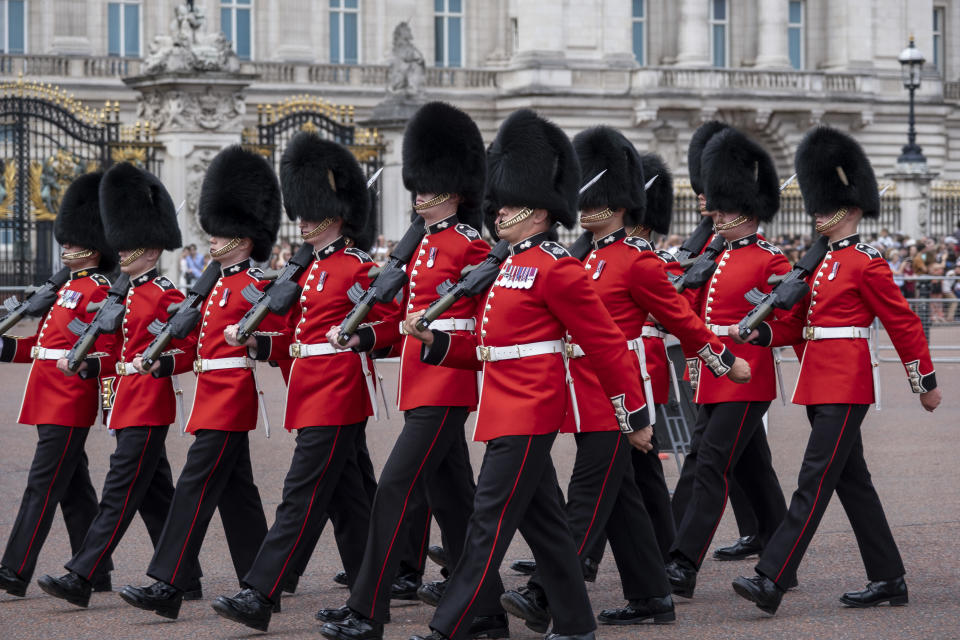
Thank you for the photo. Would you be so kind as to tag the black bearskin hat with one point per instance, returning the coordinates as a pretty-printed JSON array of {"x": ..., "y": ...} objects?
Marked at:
[
  {"x": 604, "y": 148},
  {"x": 697, "y": 143},
  {"x": 738, "y": 175},
  {"x": 78, "y": 221},
  {"x": 443, "y": 153},
  {"x": 659, "y": 196},
  {"x": 834, "y": 172},
  {"x": 137, "y": 211},
  {"x": 531, "y": 163},
  {"x": 240, "y": 197},
  {"x": 321, "y": 179}
]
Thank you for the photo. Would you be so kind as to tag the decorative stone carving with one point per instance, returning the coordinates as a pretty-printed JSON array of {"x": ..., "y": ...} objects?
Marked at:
[
  {"x": 197, "y": 162},
  {"x": 192, "y": 107},
  {"x": 187, "y": 48},
  {"x": 407, "y": 67}
]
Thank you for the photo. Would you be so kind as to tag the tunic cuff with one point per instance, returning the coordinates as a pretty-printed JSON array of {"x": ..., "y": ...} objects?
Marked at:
[
  {"x": 166, "y": 367},
  {"x": 920, "y": 382},
  {"x": 765, "y": 336},
  {"x": 9, "y": 349},
  {"x": 263, "y": 349},
  {"x": 435, "y": 353},
  {"x": 368, "y": 338},
  {"x": 92, "y": 370}
]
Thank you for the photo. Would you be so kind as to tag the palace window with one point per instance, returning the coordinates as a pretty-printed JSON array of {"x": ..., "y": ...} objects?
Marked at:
[
  {"x": 719, "y": 42},
  {"x": 13, "y": 32},
  {"x": 235, "y": 22},
  {"x": 448, "y": 33},
  {"x": 639, "y": 20},
  {"x": 939, "y": 14},
  {"x": 344, "y": 31},
  {"x": 123, "y": 29},
  {"x": 795, "y": 34}
]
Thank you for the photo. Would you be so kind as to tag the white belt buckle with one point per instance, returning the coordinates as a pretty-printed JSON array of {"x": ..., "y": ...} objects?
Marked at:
[{"x": 484, "y": 353}]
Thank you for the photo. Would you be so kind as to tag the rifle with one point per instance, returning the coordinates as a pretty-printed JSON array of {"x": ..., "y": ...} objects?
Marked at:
[
  {"x": 276, "y": 298},
  {"x": 474, "y": 281},
  {"x": 181, "y": 323},
  {"x": 789, "y": 290},
  {"x": 108, "y": 318},
  {"x": 698, "y": 273},
  {"x": 694, "y": 244},
  {"x": 37, "y": 303},
  {"x": 388, "y": 282},
  {"x": 582, "y": 245}
]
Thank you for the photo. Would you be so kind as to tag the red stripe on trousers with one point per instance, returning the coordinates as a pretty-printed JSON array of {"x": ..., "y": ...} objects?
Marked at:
[
  {"x": 123, "y": 510},
  {"x": 817, "y": 497},
  {"x": 309, "y": 508},
  {"x": 423, "y": 538},
  {"x": 600, "y": 497},
  {"x": 46, "y": 499},
  {"x": 203, "y": 492},
  {"x": 496, "y": 537},
  {"x": 376, "y": 591},
  {"x": 726, "y": 483}
]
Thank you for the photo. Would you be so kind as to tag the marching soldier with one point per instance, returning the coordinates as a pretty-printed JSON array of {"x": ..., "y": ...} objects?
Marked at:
[
  {"x": 740, "y": 185},
  {"x": 631, "y": 282},
  {"x": 240, "y": 209},
  {"x": 63, "y": 408},
  {"x": 540, "y": 294},
  {"x": 444, "y": 165},
  {"x": 138, "y": 213},
  {"x": 852, "y": 286},
  {"x": 330, "y": 393}
]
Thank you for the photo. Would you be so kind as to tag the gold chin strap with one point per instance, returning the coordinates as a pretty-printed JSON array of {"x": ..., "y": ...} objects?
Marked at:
[
  {"x": 639, "y": 230},
  {"x": 599, "y": 216},
  {"x": 225, "y": 249},
  {"x": 736, "y": 222},
  {"x": 77, "y": 255},
  {"x": 130, "y": 259},
  {"x": 432, "y": 202},
  {"x": 522, "y": 215},
  {"x": 832, "y": 222},
  {"x": 317, "y": 230}
]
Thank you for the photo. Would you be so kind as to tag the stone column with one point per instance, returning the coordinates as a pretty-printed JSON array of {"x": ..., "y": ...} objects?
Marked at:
[
  {"x": 772, "y": 47},
  {"x": 693, "y": 49},
  {"x": 913, "y": 188}
]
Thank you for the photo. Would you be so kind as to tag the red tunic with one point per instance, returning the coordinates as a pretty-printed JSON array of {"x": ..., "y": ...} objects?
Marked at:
[
  {"x": 745, "y": 263},
  {"x": 325, "y": 390},
  {"x": 852, "y": 286},
  {"x": 142, "y": 400},
  {"x": 447, "y": 248},
  {"x": 51, "y": 397},
  {"x": 541, "y": 294},
  {"x": 226, "y": 399},
  {"x": 632, "y": 283}
]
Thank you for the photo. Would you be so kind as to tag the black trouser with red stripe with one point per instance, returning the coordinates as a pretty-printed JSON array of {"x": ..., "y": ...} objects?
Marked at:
[
  {"x": 731, "y": 445},
  {"x": 603, "y": 500},
  {"x": 216, "y": 476},
  {"x": 58, "y": 475},
  {"x": 833, "y": 461},
  {"x": 138, "y": 479},
  {"x": 517, "y": 488},
  {"x": 323, "y": 471},
  {"x": 430, "y": 451}
]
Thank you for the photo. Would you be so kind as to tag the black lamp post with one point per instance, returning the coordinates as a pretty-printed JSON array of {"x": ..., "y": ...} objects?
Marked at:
[{"x": 911, "y": 64}]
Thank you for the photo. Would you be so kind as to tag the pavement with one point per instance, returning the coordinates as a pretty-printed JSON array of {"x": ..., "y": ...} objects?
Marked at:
[{"x": 912, "y": 456}]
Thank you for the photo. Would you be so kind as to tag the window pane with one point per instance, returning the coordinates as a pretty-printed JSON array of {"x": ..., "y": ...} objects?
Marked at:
[
  {"x": 796, "y": 12},
  {"x": 936, "y": 52},
  {"x": 794, "y": 47},
  {"x": 438, "y": 42},
  {"x": 454, "y": 53},
  {"x": 334, "y": 3},
  {"x": 131, "y": 30},
  {"x": 3, "y": 33},
  {"x": 455, "y": 6},
  {"x": 243, "y": 34},
  {"x": 226, "y": 23},
  {"x": 438, "y": 6},
  {"x": 936, "y": 20},
  {"x": 350, "y": 47},
  {"x": 242, "y": 2},
  {"x": 719, "y": 46},
  {"x": 638, "y": 42},
  {"x": 15, "y": 41},
  {"x": 350, "y": 4},
  {"x": 719, "y": 9},
  {"x": 113, "y": 29},
  {"x": 638, "y": 8},
  {"x": 335, "y": 37}
]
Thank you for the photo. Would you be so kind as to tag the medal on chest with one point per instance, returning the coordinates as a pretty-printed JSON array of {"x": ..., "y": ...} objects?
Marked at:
[
  {"x": 223, "y": 298},
  {"x": 833, "y": 272},
  {"x": 68, "y": 298},
  {"x": 321, "y": 280},
  {"x": 516, "y": 277},
  {"x": 432, "y": 259},
  {"x": 600, "y": 266}
]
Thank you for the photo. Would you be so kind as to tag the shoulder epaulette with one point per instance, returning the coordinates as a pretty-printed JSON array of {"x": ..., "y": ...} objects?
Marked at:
[
  {"x": 665, "y": 255},
  {"x": 870, "y": 251},
  {"x": 256, "y": 273},
  {"x": 769, "y": 248},
  {"x": 637, "y": 243},
  {"x": 467, "y": 232},
  {"x": 359, "y": 254},
  {"x": 163, "y": 282},
  {"x": 100, "y": 279},
  {"x": 554, "y": 249}
]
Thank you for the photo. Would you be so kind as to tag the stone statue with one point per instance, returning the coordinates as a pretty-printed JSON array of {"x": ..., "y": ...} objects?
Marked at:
[
  {"x": 407, "y": 67},
  {"x": 187, "y": 48}
]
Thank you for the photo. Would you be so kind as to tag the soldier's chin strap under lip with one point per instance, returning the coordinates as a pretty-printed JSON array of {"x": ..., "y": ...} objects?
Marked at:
[
  {"x": 432, "y": 202},
  {"x": 77, "y": 255},
  {"x": 522, "y": 215},
  {"x": 227, "y": 248},
  {"x": 736, "y": 222},
  {"x": 599, "y": 216},
  {"x": 834, "y": 221},
  {"x": 317, "y": 230},
  {"x": 133, "y": 257}
]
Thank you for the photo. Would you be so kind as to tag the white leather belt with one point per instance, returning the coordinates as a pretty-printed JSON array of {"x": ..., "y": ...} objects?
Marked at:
[
  {"x": 576, "y": 351},
  {"x": 492, "y": 354},
  {"x": 636, "y": 345},
  {"x": 719, "y": 329},
  {"x": 126, "y": 369},
  {"x": 827, "y": 333},
  {"x": 300, "y": 350},
  {"x": 650, "y": 331},
  {"x": 42, "y": 353},
  {"x": 200, "y": 364},
  {"x": 454, "y": 324}
]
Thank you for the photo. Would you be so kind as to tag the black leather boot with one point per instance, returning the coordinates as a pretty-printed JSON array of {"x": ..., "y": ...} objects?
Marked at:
[
  {"x": 489, "y": 627},
  {"x": 248, "y": 607},
  {"x": 682, "y": 576},
  {"x": 530, "y": 605},
  {"x": 70, "y": 587},
  {"x": 12, "y": 583},
  {"x": 655, "y": 610},
  {"x": 893, "y": 592},
  {"x": 354, "y": 627},
  {"x": 742, "y": 549},
  {"x": 761, "y": 591},
  {"x": 431, "y": 592},
  {"x": 159, "y": 597}
]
